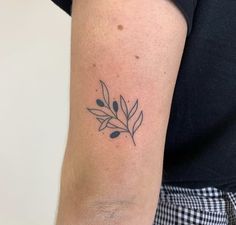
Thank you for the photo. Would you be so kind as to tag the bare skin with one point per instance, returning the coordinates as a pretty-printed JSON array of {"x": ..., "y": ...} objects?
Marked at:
[{"x": 112, "y": 176}]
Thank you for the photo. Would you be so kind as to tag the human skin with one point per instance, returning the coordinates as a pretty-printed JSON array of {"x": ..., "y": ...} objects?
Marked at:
[{"x": 134, "y": 47}]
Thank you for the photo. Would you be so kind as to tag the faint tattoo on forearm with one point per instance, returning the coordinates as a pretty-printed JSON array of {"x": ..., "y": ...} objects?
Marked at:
[{"x": 116, "y": 116}]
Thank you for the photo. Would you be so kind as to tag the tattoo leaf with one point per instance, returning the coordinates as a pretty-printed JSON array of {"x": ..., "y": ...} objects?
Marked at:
[
  {"x": 104, "y": 123},
  {"x": 111, "y": 125},
  {"x": 98, "y": 112},
  {"x": 123, "y": 106},
  {"x": 133, "y": 110},
  {"x": 100, "y": 119},
  {"x": 138, "y": 122},
  {"x": 114, "y": 134},
  {"x": 105, "y": 93}
]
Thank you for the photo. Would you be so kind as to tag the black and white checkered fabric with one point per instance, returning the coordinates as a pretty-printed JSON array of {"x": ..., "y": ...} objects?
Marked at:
[{"x": 205, "y": 206}]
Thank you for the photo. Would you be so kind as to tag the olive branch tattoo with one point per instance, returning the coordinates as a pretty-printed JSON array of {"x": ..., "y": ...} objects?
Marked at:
[{"x": 109, "y": 118}]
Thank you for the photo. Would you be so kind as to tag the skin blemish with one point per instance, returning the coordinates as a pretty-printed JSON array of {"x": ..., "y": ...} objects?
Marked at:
[
  {"x": 137, "y": 57},
  {"x": 120, "y": 27},
  {"x": 117, "y": 75},
  {"x": 94, "y": 65},
  {"x": 96, "y": 90}
]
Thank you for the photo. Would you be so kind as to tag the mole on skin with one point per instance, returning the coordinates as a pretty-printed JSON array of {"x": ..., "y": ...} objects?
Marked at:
[
  {"x": 137, "y": 57},
  {"x": 120, "y": 27}
]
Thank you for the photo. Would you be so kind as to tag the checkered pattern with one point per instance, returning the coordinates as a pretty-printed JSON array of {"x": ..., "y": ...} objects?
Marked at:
[{"x": 205, "y": 206}]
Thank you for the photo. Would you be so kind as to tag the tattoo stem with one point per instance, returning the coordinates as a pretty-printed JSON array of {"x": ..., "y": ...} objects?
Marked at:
[
  {"x": 126, "y": 125},
  {"x": 115, "y": 116},
  {"x": 132, "y": 137}
]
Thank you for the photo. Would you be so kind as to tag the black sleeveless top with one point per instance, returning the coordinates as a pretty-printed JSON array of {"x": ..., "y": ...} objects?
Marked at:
[{"x": 200, "y": 147}]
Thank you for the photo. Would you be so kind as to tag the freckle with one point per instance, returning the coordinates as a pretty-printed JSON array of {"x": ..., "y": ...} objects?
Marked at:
[
  {"x": 96, "y": 90},
  {"x": 117, "y": 75},
  {"x": 107, "y": 169},
  {"x": 117, "y": 146},
  {"x": 137, "y": 57},
  {"x": 94, "y": 65},
  {"x": 125, "y": 136},
  {"x": 164, "y": 72},
  {"x": 120, "y": 27},
  {"x": 128, "y": 101}
]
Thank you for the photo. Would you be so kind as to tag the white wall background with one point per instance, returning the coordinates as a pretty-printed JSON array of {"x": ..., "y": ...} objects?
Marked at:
[{"x": 34, "y": 109}]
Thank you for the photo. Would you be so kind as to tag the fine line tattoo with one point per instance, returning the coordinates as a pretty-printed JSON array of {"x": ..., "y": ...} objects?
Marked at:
[{"x": 116, "y": 116}]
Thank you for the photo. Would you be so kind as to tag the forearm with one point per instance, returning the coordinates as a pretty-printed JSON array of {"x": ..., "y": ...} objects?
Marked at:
[
  {"x": 107, "y": 211},
  {"x": 115, "y": 192},
  {"x": 113, "y": 175},
  {"x": 117, "y": 189}
]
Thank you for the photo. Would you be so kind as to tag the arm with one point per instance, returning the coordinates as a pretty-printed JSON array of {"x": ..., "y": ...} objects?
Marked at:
[{"x": 129, "y": 50}]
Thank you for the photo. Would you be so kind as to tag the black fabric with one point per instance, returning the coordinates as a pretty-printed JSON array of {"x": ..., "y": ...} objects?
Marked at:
[
  {"x": 64, "y": 4},
  {"x": 200, "y": 147},
  {"x": 186, "y": 6}
]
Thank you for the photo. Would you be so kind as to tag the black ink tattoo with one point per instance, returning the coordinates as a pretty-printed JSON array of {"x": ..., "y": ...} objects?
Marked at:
[{"x": 109, "y": 115}]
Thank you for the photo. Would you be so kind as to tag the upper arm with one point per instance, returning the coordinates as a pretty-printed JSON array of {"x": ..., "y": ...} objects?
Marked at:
[{"x": 134, "y": 47}]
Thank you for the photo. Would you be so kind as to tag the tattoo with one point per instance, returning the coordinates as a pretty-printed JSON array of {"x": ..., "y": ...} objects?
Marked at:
[{"x": 111, "y": 117}]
